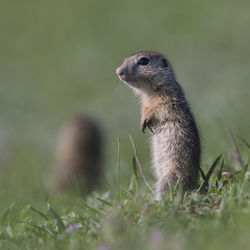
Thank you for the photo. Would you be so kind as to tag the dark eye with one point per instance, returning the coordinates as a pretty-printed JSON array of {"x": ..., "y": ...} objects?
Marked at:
[
  {"x": 143, "y": 61},
  {"x": 164, "y": 63}
]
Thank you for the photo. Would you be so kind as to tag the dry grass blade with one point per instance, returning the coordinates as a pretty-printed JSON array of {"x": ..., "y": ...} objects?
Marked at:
[
  {"x": 235, "y": 153},
  {"x": 118, "y": 170},
  {"x": 135, "y": 168},
  {"x": 139, "y": 165}
]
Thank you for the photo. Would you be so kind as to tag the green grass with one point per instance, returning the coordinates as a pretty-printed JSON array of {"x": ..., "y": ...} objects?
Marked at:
[
  {"x": 129, "y": 218},
  {"x": 59, "y": 57}
]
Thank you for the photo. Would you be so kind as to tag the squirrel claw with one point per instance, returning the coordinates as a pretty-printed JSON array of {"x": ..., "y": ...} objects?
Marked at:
[{"x": 146, "y": 123}]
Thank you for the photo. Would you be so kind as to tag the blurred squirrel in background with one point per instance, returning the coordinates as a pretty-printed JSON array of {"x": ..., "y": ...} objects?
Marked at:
[{"x": 79, "y": 156}]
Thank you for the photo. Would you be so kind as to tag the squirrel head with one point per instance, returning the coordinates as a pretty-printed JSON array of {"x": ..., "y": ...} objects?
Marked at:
[{"x": 146, "y": 72}]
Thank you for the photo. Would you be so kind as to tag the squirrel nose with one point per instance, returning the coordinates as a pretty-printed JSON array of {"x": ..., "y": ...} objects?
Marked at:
[{"x": 119, "y": 72}]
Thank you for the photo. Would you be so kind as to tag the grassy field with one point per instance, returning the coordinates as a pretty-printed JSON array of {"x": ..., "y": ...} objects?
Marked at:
[{"x": 58, "y": 58}]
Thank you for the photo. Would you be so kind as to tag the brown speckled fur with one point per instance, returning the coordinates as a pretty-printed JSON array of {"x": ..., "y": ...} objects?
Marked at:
[{"x": 175, "y": 142}]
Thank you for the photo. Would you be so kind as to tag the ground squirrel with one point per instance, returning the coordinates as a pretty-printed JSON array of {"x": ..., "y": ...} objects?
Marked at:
[
  {"x": 78, "y": 155},
  {"x": 175, "y": 142}
]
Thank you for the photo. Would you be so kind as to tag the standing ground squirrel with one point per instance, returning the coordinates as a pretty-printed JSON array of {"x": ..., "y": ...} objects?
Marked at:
[
  {"x": 78, "y": 156},
  {"x": 175, "y": 142}
]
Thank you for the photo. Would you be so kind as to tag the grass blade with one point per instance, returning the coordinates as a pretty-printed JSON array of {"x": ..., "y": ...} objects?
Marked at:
[
  {"x": 220, "y": 171},
  {"x": 243, "y": 173},
  {"x": 57, "y": 217},
  {"x": 40, "y": 213},
  {"x": 104, "y": 202},
  {"x": 92, "y": 209},
  {"x": 202, "y": 173},
  {"x": 42, "y": 229},
  {"x": 135, "y": 168},
  {"x": 6, "y": 213},
  {"x": 210, "y": 172},
  {"x": 10, "y": 231},
  {"x": 139, "y": 165},
  {"x": 247, "y": 144}
]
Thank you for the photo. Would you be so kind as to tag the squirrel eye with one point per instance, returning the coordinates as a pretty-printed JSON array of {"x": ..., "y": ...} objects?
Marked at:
[
  {"x": 143, "y": 61},
  {"x": 164, "y": 63}
]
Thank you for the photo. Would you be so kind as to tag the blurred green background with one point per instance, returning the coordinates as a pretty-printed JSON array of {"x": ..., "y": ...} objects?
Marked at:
[{"x": 59, "y": 57}]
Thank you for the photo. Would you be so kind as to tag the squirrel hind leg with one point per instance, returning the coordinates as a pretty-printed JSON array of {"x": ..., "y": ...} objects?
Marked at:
[{"x": 165, "y": 185}]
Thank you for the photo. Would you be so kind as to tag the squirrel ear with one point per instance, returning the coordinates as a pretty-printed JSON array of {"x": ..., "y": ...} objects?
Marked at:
[{"x": 164, "y": 63}]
